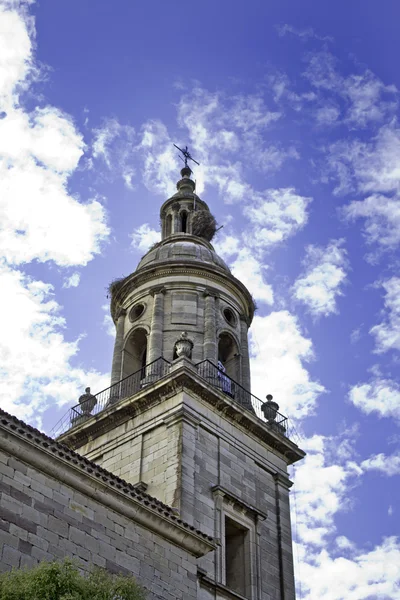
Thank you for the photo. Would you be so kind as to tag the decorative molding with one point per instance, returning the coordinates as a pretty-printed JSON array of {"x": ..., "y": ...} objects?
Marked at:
[
  {"x": 231, "y": 498},
  {"x": 283, "y": 480},
  {"x": 157, "y": 290},
  {"x": 181, "y": 415},
  {"x": 225, "y": 592},
  {"x": 168, "y": 267}
]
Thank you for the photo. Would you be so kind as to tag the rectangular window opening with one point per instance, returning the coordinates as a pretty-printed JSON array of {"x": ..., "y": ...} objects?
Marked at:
[{"x": 237, "y": 563}]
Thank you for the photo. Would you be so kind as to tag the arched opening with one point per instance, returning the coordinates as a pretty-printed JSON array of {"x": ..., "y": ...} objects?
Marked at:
[
  {"x": 184, "y": 221},
  {"x": 228, "y": 356},
  {"x": 168, "y": 225},
  {"x": 135, "y": 353}
]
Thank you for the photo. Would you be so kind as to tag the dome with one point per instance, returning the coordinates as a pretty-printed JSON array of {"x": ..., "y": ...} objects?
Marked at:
[{"x": 182, "y": 250}]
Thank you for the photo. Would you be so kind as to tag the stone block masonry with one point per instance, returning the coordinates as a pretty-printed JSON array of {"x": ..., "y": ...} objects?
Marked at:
[{"x": 54, "y": 503}]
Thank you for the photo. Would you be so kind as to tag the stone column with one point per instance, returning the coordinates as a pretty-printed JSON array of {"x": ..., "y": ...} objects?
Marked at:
[
  {"x": 244, "y": 351},
  {"x": 175, "y": 218},
  {"x": 155, "y": 343},
  {"x": 119, "y": 342},
  {"x": 210, "y": 328}
]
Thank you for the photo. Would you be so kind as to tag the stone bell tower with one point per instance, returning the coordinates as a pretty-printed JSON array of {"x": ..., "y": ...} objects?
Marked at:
[{"x": 179, "y": 419}]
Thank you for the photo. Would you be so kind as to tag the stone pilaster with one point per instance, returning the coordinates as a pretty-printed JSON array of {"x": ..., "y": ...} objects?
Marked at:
[
  {"x": 210, "y": 333},
  {"x": 244, "y": 351},
  {"x": 285, "y": 550},
  {"x": 116, "y": 369},
  {"x": 155, "y": 344}
]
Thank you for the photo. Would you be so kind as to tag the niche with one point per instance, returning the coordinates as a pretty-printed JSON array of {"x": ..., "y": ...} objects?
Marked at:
[
  {"x": 184, "y": 218},
  {"x": 135, "y": 353},
  {"x": 168, "y": 225},
  {"x": 228, "y": 355}
]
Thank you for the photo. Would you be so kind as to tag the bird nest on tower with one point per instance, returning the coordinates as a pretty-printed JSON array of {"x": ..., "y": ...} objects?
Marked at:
[{"x": 204, "y": 225}]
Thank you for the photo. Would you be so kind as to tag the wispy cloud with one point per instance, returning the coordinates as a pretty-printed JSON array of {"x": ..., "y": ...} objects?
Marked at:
[
  {"x": 302, "y": 34},
  {"x": 72, "y": 281},
  {"x": 114, "y": 143},
  {"x": 363, "y": 99}
]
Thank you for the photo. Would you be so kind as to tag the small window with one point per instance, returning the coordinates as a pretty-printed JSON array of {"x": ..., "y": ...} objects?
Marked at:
[
  {"x": 137, "y": 311},
  {"x": 237, "y": 564},
  {"x": 168, "y": 225},
  {"x": 229, "y": 316},
  {"x": 183, "y": 221}
]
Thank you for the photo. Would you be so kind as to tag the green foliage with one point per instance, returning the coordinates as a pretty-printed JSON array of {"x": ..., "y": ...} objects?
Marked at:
[{"x": 63, "y": 581}]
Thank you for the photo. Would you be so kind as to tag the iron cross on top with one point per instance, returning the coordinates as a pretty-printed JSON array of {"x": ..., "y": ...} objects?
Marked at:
[{"x": 186, "y": 154}]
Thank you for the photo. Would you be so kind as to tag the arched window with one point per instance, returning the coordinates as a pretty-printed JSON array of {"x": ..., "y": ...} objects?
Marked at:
[
  {"x": 168, "y": 225},
  {"x": 135, "y": 353},
  {"x": 228, "y": 355},
  {"x": 183, "y": 221}
]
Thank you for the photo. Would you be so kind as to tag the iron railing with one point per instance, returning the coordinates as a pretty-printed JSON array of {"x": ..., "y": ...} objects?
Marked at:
[
  {"x": 130, "y": 385},
  {"x": 94, "y": 404},
  {"x": 218, "y": 379}
]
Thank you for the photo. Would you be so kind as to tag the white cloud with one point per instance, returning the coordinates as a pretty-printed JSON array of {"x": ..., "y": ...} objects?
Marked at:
[
  {"x": 387, "y": 333},
  {"x": 368, "y": 166},
  {"x": 250, "y": 272},
  {"x": 275, "y": 215},
  {"x": 143, "y": 237},
  {"x": 15, "y": 55},
  {"x": 246, "y": 267},
  {"x": 35, "y": 357},
  {"x": 380, "y": 396},
  {"x": 39, "y": 220},
  {"x": 329, "y": 566},
  {"x": 322, "y": 481},
  {"x": 39, "y": 150},
  {"x": 72, "y": 281},
  {"x": 362, "y": 575},
  {"x": 388, "y": 465},
  {"x": 382, "y": 219},
  {"x": 323, "y": 279},
  {"x": 279, "y": 351}
]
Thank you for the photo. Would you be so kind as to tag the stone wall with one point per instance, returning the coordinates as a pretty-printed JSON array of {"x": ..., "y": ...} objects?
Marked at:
[{"x": 44, "y": 518}]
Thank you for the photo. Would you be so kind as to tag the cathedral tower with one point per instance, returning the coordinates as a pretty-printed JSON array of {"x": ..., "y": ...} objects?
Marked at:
[{"x": 179, "y": 419}]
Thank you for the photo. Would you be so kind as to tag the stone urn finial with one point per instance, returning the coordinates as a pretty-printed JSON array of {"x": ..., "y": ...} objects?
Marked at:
[
  {"x": 184, "y": 345},
  {"x": 270, "y": 408},
  {"x": 87, "y": 402}
]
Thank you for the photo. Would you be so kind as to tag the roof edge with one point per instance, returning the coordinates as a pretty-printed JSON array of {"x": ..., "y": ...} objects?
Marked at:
[{"x": 33, "y": 447}]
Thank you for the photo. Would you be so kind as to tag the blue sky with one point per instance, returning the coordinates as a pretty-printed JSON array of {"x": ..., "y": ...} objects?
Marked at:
[{"x": 292, "y": 110}]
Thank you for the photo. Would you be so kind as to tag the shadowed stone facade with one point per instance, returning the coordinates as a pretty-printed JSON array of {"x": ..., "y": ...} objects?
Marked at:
[{"x": 178, "y": 478}]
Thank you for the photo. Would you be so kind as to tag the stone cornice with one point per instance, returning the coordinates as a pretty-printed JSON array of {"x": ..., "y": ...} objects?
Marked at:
[
  {"x": 59, "y": 462},
  {"x": 176, "y": 381},
  {"x": 185, "y": 268},
  {"x": 238, "y": 502},
  {"x": 222, "y": 590}
]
